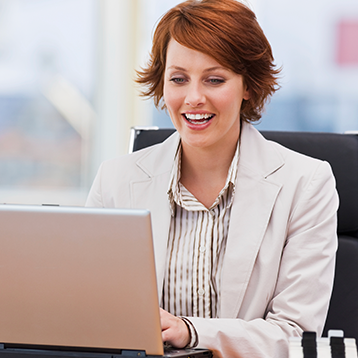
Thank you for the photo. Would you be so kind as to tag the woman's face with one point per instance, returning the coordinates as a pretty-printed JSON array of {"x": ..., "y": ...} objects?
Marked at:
[{"x": 203, "y": 98}]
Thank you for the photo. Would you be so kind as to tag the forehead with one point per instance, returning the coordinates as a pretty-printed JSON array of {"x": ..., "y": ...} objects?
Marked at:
[{"x": 181, "y": 56}]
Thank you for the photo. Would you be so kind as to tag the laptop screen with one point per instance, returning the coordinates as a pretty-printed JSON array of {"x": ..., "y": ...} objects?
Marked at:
[{"x": 78, "y": 277}]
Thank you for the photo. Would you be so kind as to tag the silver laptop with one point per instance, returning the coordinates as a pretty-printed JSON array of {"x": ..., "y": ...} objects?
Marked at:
[{"x": 79, "y": 281}]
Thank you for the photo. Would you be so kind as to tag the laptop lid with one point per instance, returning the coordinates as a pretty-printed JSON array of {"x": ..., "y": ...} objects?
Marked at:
[{"x": 78, "y": 277}]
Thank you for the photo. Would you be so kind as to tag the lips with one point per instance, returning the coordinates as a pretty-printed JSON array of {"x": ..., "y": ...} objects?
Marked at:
[{"x": 198, "y": 118}]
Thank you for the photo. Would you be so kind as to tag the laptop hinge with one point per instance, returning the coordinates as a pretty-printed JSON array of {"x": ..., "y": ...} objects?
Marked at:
[{"x": 131, "y": 353}]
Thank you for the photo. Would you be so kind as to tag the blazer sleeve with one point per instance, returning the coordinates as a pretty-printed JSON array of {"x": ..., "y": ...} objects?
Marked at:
[{"x": 304, "y": 282}]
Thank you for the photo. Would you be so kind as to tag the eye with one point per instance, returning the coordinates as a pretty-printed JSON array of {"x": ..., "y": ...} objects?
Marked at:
[
  {"x": 178, "y": 80},
  {"x": 216, "y": 81}
]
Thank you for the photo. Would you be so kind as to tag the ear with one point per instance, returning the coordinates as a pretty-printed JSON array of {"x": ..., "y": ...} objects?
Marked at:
[{"x": 247, "y": 94}]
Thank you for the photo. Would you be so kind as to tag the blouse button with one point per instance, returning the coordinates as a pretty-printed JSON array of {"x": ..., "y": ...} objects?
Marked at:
[{"x": 201, "y": 292}]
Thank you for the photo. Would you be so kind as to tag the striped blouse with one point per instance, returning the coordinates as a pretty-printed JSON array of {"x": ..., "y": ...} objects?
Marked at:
[{"x": 196, "y": 247}]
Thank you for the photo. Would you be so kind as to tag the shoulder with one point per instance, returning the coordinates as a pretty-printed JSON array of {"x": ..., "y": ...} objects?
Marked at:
[
  {"x": 295, "y": 173},
  {"x": 294, "y": 159},
  {"x": 115, "y": 177},
  {"x": 266, "y": 157},
  {"x": 307, "y": 184},
  {"x": 143, "y": 163},
  {"x": 299, "y": 165}
]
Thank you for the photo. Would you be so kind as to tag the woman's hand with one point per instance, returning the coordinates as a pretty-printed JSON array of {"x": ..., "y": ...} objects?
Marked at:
[{"x": 174, "y": 330}]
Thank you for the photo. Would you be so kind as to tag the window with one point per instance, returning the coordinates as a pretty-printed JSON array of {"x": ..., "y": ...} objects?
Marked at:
[{"x": 46, "y": 91}]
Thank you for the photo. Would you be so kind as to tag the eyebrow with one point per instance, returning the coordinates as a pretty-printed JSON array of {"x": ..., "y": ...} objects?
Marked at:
[{"x": 206, "y": 70}]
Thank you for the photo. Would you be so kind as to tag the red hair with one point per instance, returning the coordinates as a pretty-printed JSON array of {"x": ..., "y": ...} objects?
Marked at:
[{"x": 226, "y": 30}]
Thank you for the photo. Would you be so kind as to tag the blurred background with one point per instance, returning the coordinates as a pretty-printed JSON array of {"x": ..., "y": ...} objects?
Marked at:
[{"x": 68, "y": 100}]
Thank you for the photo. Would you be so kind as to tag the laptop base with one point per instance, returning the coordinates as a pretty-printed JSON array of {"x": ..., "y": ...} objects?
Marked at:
[{"x": 29, "y": 351}]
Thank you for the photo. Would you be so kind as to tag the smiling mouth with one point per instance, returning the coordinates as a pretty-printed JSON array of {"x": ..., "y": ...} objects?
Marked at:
[{"x": 198, "y": 118}]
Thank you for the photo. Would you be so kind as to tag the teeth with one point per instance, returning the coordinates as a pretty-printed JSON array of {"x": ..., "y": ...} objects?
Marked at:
[{"x": 198, "y": 117}]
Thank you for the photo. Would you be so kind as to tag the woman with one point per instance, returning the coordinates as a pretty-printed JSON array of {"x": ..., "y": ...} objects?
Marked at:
[{"x": 244, "y": 229}]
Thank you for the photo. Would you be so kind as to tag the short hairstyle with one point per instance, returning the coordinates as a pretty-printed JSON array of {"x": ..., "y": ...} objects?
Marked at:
[{"x": 226, "y": 30}]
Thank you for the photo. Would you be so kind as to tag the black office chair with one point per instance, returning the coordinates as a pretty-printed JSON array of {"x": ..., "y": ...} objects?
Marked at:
[{"x": 341, "y": 151}]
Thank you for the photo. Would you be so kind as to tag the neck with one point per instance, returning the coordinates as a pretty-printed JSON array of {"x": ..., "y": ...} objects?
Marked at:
[
  {"x": 204, "y": 172},
  {"x": 199, "y": 160},
  {"x": 209, "y": 159}
]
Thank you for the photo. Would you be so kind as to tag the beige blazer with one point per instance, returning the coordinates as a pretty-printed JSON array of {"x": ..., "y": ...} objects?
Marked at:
[{"x": 279, "y": 262}]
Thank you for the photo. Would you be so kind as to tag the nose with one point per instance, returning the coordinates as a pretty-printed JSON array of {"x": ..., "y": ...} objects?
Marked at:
[{"x": 195, "y": 96}]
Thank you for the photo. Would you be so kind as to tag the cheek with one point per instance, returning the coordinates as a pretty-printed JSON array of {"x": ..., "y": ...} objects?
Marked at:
[
  {"x": 228, "y": 101},
  {"x": 172, "y": 98}
]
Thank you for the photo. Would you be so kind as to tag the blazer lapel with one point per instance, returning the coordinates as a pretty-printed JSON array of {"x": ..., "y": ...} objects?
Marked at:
[{"x": 254, "y": 200}]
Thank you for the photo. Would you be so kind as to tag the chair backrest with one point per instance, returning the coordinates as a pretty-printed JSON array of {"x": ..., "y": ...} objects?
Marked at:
[
  {"x": 341, "y": 151},
  {"x": 142, "y": 137}
]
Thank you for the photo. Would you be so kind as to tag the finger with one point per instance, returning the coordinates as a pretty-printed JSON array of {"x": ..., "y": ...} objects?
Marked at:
[
  {"x": 165, "y": 319},
  {"x": 166, "y": 337}
]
